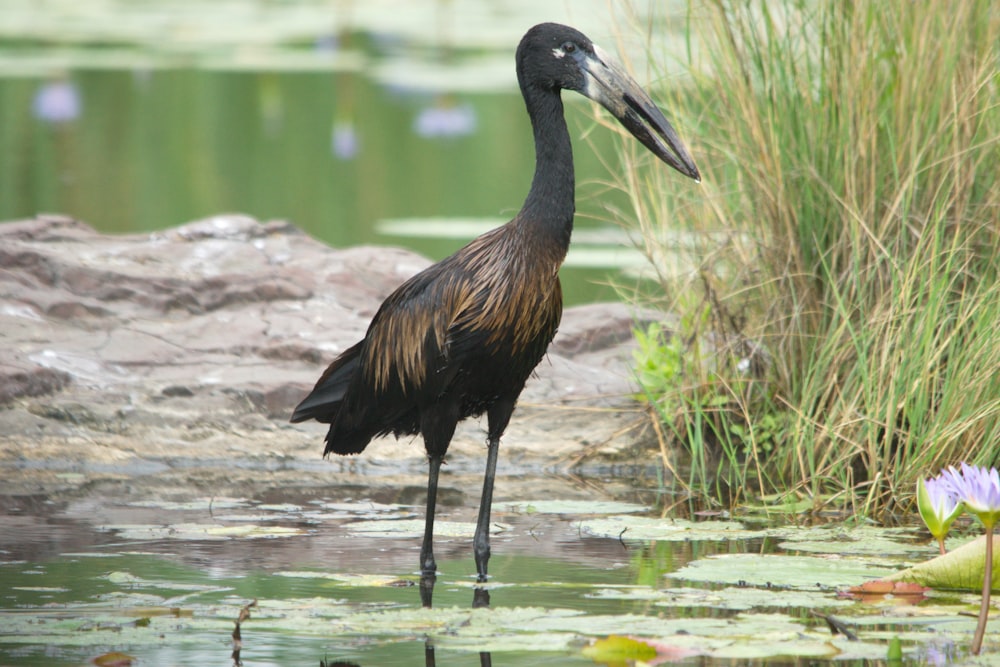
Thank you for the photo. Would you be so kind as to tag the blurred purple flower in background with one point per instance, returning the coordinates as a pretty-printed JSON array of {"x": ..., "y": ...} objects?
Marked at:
[
  {"x": 57, "y": 102},
  {"x": 445, "y": 120},
  {"x": 344, "y": 142}
]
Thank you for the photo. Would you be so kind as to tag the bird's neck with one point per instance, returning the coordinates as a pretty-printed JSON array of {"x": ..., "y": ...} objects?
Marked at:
[{"x": 550, "y": 205}]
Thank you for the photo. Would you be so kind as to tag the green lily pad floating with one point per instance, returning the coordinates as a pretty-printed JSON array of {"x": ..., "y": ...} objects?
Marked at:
[
  {"x": 505, "y": 629},
  {"x": 364, "y": 507},
  {"x": 205, "y": 504},
  {"x": 617, "y": 648},
  {"x": 415, "y": 528},
  {"x": 645, "y": 528},
  {"x": 569, "y": 507},
  {"x": 352, "y": 580},
  {"x": 200, "y": 531},
  {"x": 798, "y": 572},
  {"x": 858, "y": 540},
  {"x": 249, "y": 517},
  {"x": 101, "y": 630},
  {"x": 131, "y": 581},
  {"x": 284, "y": 508},
  {"x": 90, "y": 554},
  {"x": 731, "y": 598}
]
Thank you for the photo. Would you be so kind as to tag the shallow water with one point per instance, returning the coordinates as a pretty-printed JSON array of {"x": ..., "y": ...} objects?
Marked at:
[{"x": 334, "y": 583}]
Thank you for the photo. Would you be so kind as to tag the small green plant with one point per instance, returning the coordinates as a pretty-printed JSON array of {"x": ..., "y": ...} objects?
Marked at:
[{"x": 701, "y": 398}]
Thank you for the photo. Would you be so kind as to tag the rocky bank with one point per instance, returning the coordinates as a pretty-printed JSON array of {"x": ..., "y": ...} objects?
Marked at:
[{"x": 174, "y": 358}]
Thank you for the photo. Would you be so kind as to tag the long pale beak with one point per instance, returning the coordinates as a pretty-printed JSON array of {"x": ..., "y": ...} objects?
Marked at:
[{"x": 616, "y": 91}]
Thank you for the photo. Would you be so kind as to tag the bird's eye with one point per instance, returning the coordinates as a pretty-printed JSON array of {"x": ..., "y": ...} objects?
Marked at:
[{"x": 568, "y": 47}]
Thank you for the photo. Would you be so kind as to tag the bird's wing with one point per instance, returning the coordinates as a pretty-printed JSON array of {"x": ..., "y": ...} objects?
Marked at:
[{"x": 406, "y": 343}]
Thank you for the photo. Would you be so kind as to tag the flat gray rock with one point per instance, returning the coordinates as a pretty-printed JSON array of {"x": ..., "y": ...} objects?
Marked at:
[{"x": 188, "y": 349}]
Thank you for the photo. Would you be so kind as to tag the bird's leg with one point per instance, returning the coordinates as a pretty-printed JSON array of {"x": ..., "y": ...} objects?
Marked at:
[
  {"x": 481, "y": 542},
  {"x": 427, "y": 565}
]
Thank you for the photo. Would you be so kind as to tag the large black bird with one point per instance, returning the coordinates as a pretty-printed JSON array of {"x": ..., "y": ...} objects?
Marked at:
[{"x": 462, "y": 337}]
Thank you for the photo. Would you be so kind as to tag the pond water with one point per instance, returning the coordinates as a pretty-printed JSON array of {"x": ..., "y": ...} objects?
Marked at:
[{"x": 329, "y": 579}]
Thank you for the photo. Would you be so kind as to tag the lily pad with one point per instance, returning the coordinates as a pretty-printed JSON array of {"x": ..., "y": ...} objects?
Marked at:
[
  {"x": 362, "y": 507},
  {"x": 798, "y": 572},
  {"x": 346, "y": 579},
  {"x": 127, "y": 579},
  {"x": 189, "y": 505},
  {"x": 200, "y": 531},
  {"x": 644, "y": 528},
  {"x": 616, "y": 648},
  {"x": 959, "y": 569},
  {"x": 859, "y": 540},
  {"x": 415, "y": 527},
  {"x": 742, "y": 598},
  {"x": 569, "y": 507}
]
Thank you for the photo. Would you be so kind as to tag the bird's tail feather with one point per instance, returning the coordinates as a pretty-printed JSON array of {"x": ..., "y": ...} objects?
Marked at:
[{"x": 323, "y": 402}]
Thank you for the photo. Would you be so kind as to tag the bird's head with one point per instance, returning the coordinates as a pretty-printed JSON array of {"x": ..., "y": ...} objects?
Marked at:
[{"x": 553, "y": 56}]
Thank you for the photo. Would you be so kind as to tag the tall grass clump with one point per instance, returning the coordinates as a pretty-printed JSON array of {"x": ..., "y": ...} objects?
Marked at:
[{"x": 838, "y": 283}]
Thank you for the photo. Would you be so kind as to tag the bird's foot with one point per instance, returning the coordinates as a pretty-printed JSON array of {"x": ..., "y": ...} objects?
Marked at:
[
  {"x": 428, "y": 567},
  {"x": 482, "y": 554}
]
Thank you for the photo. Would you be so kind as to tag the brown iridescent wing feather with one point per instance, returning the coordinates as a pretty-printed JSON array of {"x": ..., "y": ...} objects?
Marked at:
[{"x": 481, "y": 318}]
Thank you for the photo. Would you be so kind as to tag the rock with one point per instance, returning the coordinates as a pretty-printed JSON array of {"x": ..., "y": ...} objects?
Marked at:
[{"x": 196, "y": 342}]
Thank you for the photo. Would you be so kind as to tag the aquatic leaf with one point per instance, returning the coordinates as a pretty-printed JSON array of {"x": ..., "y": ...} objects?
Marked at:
[
  {"x": 362, "y": 507},
  {"x": 205, "y": 504},
  {"x": 742, "y": 598},
  {"x": 861, "y": 540},
  {"x": 415, "y": 528},
  {"x": 284, "y": 508},
  {"x": 618, "y": 650},
  {"x": 877, "y": 589},
  {"x": 88, "y": 554},
  {"x": 959, "y": 569},
  {"x": 200, "y": 531},
  {"x": 569, "y": 507},
  {"x": 645, "y": 528},
  {"x": 113, "y": 659},
  {"x": 346, "y": 579},
  {"x": 766, "y": 570}
]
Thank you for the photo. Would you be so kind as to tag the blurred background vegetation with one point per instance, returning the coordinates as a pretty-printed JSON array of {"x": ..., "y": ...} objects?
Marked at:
[{"x": 361, "y": 122}]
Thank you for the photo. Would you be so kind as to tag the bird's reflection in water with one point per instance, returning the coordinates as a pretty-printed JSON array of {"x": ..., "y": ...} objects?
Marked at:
[{"x": 480, "y": 600}]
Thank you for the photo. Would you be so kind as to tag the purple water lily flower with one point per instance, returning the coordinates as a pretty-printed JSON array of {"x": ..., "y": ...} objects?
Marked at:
[
  {"x": 979, "y": 489},
  {"x": 344, "y": 141},
  {"x": 938, "y": 506}
]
